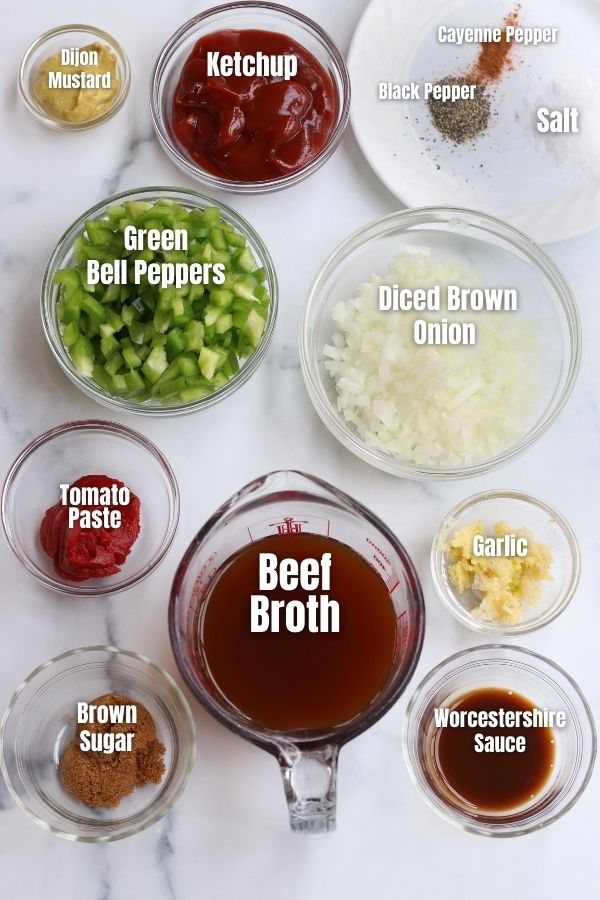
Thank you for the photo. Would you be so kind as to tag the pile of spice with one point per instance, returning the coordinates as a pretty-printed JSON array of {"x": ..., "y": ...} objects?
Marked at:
[
  {"x": 101, "y": 779},
  {"x": 461, "y": 120},
  {"x": 465, "y": 120}
]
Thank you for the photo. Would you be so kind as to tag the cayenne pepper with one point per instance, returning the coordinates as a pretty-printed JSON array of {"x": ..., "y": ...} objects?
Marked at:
[{"x": 494, "y": 57}]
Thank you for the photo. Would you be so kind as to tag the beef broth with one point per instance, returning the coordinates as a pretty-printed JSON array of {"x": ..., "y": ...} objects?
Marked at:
[{"x": 286, "y": 681}]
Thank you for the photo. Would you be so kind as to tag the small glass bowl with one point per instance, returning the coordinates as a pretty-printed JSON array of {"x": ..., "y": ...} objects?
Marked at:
[
  {"x": 544, "y": 684},
  {"x": 518, "y": 510},
  {"x": 503, "y": 256},
  {"x": 39, "y": 724},
  {"x": 243, "y": 15},
  {"x": 61, "y": 456},
  {"x": 63, "y": 256},
  {"x": 63, "y": 37}
]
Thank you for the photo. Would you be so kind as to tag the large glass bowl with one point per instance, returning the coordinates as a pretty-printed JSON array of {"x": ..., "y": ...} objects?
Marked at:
[
  {"x": 39, "y": 724},
  {"x": 264, "y": 17},
  {"x": 505, "y": 258},
  {"x": 61, "y": 456},
  {"x": 63, "y": 256}
]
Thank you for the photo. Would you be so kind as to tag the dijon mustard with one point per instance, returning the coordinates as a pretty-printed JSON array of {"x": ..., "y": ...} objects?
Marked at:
[{"x": 78, "y": 85}]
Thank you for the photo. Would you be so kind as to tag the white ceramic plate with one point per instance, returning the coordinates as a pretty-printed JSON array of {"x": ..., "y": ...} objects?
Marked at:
[{"x": 548, "y": 185}]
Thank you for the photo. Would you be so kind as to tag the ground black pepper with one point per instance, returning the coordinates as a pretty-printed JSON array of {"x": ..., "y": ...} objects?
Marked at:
[{"x": 460, "y": 120}]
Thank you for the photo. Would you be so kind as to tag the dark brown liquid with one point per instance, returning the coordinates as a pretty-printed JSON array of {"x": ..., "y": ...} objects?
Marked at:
[
  {"x": 494, "y": 781},
  {"x": 288, "y": 681}
]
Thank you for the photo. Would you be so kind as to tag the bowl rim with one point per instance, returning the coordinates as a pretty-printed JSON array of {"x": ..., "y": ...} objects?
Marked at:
[
  {"x": 37, "y": 110},
  {"x": 249, "y": 187},
  {"x": 446, "y": 215},
  {"x": 185, "y": 706},
  {"x": 195, "y": 200},
  {"x": 123, "y": 432},
  {"x": 527, "y": 654},
  {"x": 450, "y": 600}
]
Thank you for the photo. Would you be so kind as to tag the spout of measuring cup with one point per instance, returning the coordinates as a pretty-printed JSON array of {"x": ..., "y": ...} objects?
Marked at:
[{"x": 309, "y": 781}]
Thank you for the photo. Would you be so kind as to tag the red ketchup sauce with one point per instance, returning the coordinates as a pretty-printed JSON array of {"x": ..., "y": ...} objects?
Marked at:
[
  {"x": 253, "y": 128},
  {"x": 80, "y": 554}
]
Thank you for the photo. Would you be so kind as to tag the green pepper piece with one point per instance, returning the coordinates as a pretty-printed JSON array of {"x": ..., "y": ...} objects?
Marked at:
[
  {"x": 187, "y": 365},
  {"x": 155, "y": 364},
  {"x": 217, "y": 238},
  {"x": 115, "y": 214},
  {"x": 245, "y": 260},
  {"x": 134, "y": 381},
  {"x": 101, "y": 377},
  {"x": 115, "y": 363},
  {"x": 191, "y": 394},
  {"x": 136, "y": 208},
  {"x": 109, "y": 345},
  {"x": 98, "y": 232},
  {"x": 211, "y": 314},
  {"x": 224, "y": 323},
  {"x": 82, "y": 356},
  {"x": 168, "y": 388},
  {"x": 131, "y": 358},
  {"x": 210, "y": 360},
  {"x": 70, "y": 334},
  {"x": 253, "y": 328},
  {"x": 70, "y": 280},
  {"x": 137, "y": 331},
  {"x": 194, "y": 336},
  {"x": 234, "y": 239},
  {"x": 175, "y": 344},
  {"x": 70, "y": 312},
  {"x": 90, "y": 305},
  {"x": 221, "y": 297},
  {"x": 244, "y": 287},
  {"x": 162, "y": 321},
  {"x": 113, "y": 323}
]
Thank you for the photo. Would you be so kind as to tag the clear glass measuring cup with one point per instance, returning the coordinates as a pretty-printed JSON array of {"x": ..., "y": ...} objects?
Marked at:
[{"x": 279, "y": 503}]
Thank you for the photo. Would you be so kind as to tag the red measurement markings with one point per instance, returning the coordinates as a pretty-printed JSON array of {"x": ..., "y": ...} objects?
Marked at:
[{"x": 391, "y": 579}]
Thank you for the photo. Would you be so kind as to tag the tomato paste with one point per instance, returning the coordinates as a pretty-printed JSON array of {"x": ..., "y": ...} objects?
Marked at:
[
  {"x": 253, "y": 127},
  {"x": 82, "y": 553}
]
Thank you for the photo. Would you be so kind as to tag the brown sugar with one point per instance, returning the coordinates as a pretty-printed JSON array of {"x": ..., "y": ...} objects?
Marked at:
[{"x": 102, "y": 779}]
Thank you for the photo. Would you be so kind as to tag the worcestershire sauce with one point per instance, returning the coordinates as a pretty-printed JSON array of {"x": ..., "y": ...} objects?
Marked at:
[
  {"x": 494, "y": 781},
  {"x": 288, "y": 681}
]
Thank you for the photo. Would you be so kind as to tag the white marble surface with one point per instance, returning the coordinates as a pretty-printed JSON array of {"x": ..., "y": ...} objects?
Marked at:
[{"x": 228, "y": 836}]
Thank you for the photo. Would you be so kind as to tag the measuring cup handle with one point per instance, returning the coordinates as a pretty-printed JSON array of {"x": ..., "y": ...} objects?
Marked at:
[{"x": 309, "y": 781}]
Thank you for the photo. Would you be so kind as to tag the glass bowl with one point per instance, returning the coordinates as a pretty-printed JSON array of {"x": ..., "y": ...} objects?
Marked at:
[
  {"x": 545, "y": 685},
  {"x": 62, "y": 455},
  {"x": 52, "y": 42},
  {"x": 265, "y": 17},
  {"x": 39, "y": 724},
  {"x": 63, "y": 256},
  {"x": 504, "y": 257},
  {"x": 518, "y": 510}
]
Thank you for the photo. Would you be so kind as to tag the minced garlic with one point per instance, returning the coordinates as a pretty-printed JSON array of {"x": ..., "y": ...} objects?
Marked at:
[{"x": 502, "y": 584}]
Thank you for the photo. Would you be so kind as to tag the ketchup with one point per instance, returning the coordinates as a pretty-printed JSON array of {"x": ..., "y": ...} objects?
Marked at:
[
  {"x": 253, "y": 128},
  {"x": 83, "y": 553}
]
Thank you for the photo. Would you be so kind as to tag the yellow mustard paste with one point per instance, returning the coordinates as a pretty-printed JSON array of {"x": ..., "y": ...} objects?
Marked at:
[
  {"x": 78, "y": 93},
  {"x": 503, "y": 585}
]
